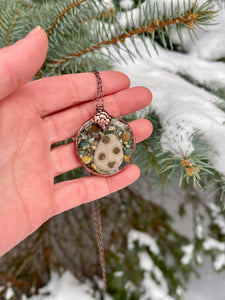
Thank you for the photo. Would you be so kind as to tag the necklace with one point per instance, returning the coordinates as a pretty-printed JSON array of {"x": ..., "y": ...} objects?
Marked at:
[{"x": 105, "y": 145}]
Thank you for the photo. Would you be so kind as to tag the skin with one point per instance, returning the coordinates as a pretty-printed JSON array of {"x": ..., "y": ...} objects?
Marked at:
[{"x": 34, "y": 115}]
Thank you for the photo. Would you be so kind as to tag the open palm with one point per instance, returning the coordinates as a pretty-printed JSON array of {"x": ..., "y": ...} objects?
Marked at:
[{"x": 33, "y": 116}]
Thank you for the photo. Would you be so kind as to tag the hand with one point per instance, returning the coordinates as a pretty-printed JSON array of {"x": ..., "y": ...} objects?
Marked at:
[{"x": 34, "y": 115}]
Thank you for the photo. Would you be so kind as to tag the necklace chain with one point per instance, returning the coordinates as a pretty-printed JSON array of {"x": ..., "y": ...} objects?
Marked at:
[
  {"x": 96, "y": 211},
  {"x": 99, "y": 94}
]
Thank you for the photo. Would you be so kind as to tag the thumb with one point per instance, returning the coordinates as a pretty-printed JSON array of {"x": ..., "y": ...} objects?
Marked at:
[{"x": 21, "y": 61}]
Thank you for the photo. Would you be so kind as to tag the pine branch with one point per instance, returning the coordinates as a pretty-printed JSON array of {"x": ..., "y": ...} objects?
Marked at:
[
  {"x": 193, "y": 167},
  {"x": 12, "y": 26},
  {"x": 151, "y": 156},
  {"x": 136, "y": 31},
  {"x": 63, "y": 14},
  {"x": 102, "y": 15},
  {"x": 190, "y": 18},
  {"x": 220, "y": 189},
  {"x": 11, "y": 15}
]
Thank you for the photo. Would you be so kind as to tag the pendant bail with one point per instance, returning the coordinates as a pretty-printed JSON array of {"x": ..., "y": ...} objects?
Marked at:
[{"x": 102, "y": 118}]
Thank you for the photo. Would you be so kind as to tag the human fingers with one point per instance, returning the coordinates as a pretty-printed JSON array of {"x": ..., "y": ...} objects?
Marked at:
[
  {"x": 60, "y": 92},
  {"x": 64, "y": 125},
  {"x": 64, "y": 158},
  {"x": 20, "y": 61},
  {"x": 72, "y": 193}
]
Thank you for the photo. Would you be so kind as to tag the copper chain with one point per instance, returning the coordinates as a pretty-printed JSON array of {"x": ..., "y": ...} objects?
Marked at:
[
  {"x": 96, "y": 212},
  {"x": 99, "y": 236},
  {"x": 99, "y": 94}
]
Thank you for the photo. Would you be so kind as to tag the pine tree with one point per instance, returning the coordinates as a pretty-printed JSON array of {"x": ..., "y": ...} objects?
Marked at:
[{"x": 144, "y": 229}]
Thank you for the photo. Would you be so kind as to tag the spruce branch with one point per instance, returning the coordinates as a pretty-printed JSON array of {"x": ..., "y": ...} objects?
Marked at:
[
  {"x": 114, "y": 34},
  {"x": 151, "y": 156},
  {"x": 194, "y": 167},
  {"x": 189, "y": 19},
  {"x": 79, "y": 30},
  {"x": 220, "y": 189},
  {"x": 12, "y": 14},
  {"x": 8, "y": 42},
  {"x": 104, "y": 15},
  {"x": 63, "y": 14}
]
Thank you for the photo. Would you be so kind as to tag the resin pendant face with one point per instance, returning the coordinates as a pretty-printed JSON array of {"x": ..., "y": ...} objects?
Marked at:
[{"x": 105, "y": 149}]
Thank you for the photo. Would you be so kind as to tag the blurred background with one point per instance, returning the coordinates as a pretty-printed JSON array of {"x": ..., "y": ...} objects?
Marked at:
[{"x": 164, "y": 236}]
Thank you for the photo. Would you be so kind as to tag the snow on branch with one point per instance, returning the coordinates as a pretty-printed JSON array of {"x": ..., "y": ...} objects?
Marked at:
[{"x": 153, "y": 21}]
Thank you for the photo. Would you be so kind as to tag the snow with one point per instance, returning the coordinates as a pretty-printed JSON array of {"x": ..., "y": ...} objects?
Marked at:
[
  {"x": 130, "y": 287},
  {"x": 118, "y": 273},
  {"x": 153, "y": 290},
  {"x": 126, "y": 4},
  {"x": 215, "y": 209},
  {"x": 108, "y": 4},
  {"x": 212, "y": 244},
  {"x": 211, "y": 44},
  {"x": 218, "y": 217},
  {"x": 199, "y": 228},
  {"x": 180, "y": 291},
  {"x": 64, "y": 287},
  {"x": 146, "y": 262},
  {"x": 199, "y": 231},
  {"x": 188, "y": 254},
  {"x": 220, "y": 222},
  {"x": 143, "y": 239},
  {"x": 207, "y": 73},
  {"x": 199, "y": 259},
  {"x": 182, "y": 108},
  {"x": 219, "y": 262},
  {"x": 9, "y": 293}
]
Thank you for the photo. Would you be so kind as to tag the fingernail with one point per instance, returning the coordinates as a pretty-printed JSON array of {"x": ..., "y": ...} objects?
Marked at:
[{"x": 36, "y": 29}]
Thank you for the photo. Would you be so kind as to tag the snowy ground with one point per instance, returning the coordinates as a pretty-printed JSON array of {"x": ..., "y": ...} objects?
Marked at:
[
  {"x": 175, "y": 101},
  {"x": 210, "y": 286}
]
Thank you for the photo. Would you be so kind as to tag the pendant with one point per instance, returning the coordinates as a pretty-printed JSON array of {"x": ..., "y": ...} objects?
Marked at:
[{"x": 105, "y": 145}]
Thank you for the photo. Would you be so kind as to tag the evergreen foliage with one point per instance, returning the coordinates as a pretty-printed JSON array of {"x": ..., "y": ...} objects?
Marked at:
[
  {"x": 71, "y": 46},
  {"x": 82, "y": 34}
]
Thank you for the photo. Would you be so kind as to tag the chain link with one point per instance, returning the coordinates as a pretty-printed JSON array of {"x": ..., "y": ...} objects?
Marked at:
[
  {"x": 96, "y": 213},
  {"x": 99, "y": 93}
]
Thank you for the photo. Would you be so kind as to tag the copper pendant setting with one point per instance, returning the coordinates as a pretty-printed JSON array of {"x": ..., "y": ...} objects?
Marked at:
[{"x": 105, "y": 145}]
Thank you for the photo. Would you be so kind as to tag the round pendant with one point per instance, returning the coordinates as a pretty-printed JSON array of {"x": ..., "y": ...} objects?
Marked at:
[{"x": 105, "y": 149}]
